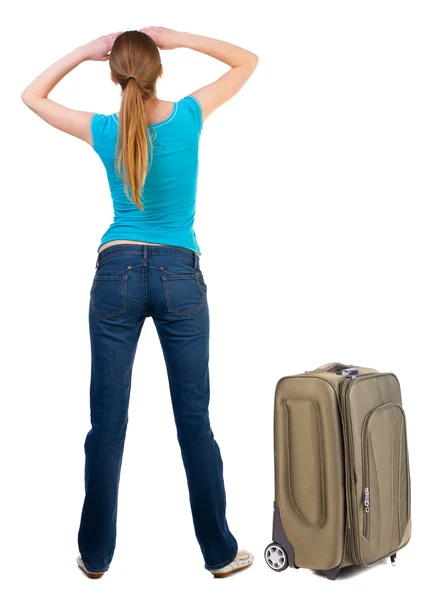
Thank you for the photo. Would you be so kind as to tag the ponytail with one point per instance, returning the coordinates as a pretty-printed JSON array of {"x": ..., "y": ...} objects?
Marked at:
[{"x": 134, "y": 145}]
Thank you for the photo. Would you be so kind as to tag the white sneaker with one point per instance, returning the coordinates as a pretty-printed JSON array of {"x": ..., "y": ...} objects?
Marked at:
[
  {"x": 90, "y": 574},
  {"x": 243, "y": 560}
]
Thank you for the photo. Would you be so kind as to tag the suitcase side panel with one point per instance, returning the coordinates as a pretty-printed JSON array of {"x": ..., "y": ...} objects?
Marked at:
[
  {"x": 381, "y": 467},
  {"x": 309, "y": 477}
]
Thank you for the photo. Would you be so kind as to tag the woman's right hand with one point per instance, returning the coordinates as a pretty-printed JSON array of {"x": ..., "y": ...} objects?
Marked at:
[
  {"x": 100, "y": 48},
  {"x": 166, "y": 39}
]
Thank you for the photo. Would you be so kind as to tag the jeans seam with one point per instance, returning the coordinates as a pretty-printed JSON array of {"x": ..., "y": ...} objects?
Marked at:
[
  {"x": 143, "y": 283},
  {"x": 126, "y": 269},
  {"x": 171, "y": 272},
  {"x": 225, "y": 563},
  {"x": 97, "y": 571}
]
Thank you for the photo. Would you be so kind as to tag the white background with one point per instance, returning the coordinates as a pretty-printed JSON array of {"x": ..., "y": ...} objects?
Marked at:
[{"x": 314, "y": 221}]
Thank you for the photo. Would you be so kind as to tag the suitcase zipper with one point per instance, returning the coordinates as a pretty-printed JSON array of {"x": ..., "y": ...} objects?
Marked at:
[
  {"x": 349, "y": 469},
  {"x": 366, "y": 514},
  {"x": 352, "y": 501}
]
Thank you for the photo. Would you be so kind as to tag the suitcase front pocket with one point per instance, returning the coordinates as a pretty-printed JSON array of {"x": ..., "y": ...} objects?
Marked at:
[{"x": 385, "y": 473}]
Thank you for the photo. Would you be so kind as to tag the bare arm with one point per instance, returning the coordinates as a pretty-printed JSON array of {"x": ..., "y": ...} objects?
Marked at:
[
  {"x": 35, "y": 96},
  {"x": 241, "y": 61}
]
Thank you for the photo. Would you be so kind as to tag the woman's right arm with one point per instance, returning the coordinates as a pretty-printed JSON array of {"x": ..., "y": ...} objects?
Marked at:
[{"x": 213, "y": 95}]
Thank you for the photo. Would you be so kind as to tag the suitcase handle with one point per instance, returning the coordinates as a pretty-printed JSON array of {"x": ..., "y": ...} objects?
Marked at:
[{"x": 333, "y": 367}]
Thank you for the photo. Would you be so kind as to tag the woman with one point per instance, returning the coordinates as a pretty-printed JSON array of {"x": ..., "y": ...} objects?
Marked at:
[{"x": 148, "y": 266}]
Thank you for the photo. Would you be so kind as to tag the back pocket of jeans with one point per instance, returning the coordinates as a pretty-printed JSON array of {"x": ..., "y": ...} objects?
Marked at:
[
  {"x": 108, "y": 296},
  {"x": 185, "y": 295}
]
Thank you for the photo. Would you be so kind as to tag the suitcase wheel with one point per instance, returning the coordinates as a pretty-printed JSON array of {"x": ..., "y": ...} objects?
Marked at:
[{"x": 275, "y": 557}]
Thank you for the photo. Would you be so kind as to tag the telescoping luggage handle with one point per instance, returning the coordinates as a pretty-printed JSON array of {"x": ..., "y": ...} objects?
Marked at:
[{"x": 339, "y": 369}]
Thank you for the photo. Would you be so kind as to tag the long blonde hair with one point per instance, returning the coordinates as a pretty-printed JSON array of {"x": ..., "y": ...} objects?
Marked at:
[{"x": 134, "y": 55}]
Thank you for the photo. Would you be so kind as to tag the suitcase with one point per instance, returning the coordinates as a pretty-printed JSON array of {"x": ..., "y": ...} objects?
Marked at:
[{"x": 342, "y": 477}]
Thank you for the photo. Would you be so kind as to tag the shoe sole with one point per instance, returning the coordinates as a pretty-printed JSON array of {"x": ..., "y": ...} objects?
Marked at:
[
  {"x": 228, "y": 573},
  {"x": 90, "y": 575}
]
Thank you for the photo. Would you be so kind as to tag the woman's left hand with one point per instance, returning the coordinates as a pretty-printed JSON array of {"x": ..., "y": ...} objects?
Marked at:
[{"x": 99, "y": 49}]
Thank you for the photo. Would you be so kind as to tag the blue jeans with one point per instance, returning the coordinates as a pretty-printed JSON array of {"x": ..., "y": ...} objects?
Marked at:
[{"x": 132, "y": 282}]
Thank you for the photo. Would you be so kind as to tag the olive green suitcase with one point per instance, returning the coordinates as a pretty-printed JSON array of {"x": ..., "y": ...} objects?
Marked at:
[{"x": 342, "y": 478}]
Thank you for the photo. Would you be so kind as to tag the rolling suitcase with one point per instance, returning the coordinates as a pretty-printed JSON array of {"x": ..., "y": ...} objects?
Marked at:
[{"x": 342, "y": 478}]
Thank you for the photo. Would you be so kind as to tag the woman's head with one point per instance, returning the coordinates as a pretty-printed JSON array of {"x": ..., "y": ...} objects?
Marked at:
[{"x": 134, "y": 54}]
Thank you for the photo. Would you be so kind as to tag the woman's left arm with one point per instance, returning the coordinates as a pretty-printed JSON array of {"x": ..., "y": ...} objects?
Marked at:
[{"x": 35, "y": 96}]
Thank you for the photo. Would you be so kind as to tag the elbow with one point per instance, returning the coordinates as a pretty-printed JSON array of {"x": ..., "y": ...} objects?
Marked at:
[
  {"x": 250, "y": 61},
  {"x": 25, "y": 97},
  {"x": 254, "y": 59},
  {"x": 29, "y": 97}
]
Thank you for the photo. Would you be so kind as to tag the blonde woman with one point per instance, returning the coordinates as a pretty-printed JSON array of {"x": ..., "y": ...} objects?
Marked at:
[{"x": 148, "y": 265}]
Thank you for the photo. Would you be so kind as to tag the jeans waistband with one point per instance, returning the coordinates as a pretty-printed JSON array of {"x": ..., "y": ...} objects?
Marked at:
[{"x": 145, "y": 250}]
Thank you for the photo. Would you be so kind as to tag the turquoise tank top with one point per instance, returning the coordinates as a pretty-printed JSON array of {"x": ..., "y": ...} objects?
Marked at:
[{"x": 169, "y": 193}]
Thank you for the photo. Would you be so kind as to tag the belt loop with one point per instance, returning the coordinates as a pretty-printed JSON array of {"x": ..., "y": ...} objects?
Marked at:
[
  {"x": 97, "y": 262},
  {"x": 196, "y": 260},
  {"x": 145, "y": 251}
]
